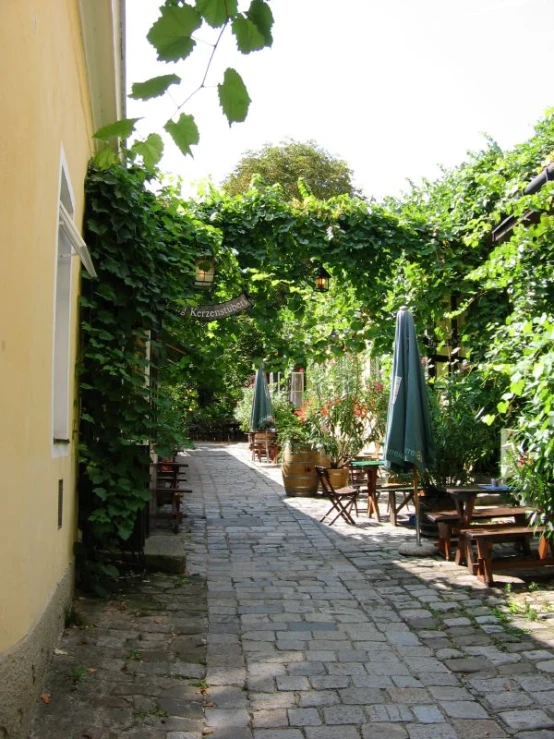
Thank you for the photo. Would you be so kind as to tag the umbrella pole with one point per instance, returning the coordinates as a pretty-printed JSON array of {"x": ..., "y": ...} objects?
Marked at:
[
  {"x": 418, "y": 549},
  {"x": 416, "y": 506}
]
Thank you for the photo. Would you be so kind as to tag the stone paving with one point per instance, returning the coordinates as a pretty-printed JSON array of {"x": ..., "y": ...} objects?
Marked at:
[{"x": 285, "y": 628}]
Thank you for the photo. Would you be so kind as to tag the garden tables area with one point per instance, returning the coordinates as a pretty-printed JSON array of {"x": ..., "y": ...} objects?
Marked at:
[
  {"x": 477, "y": 524},
  {"x": 366, "y": 471}
]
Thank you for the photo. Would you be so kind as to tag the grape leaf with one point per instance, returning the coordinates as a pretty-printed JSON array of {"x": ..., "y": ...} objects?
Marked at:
[
  {"x": 106, "y": 158},
  {"x": 261, "y": 16},
  {"x": 233, "y": 96},
  {"x": 151, "y": 149},
  {"x": 247, "y": 35},
  {"x": 122, "y": 129},
  {"x": 171, "y": 33},
  {"x": 216, "y": 12},
  {"x": 184, "y": 132},
  {"x": 154, "y": 87}
]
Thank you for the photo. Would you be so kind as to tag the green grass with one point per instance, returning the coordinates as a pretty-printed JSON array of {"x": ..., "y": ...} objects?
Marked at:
[
  {"x": 143, "y": 713},
  {"x": 501, "y": 615},
  {"x": 72, "y": 617},
  {"x": 77, "y": 674},
  {"x": 516, "y": 631}
]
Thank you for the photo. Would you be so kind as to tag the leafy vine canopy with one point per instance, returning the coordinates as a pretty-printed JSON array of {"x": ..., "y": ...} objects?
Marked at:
[{"x": 417, "y": 250}]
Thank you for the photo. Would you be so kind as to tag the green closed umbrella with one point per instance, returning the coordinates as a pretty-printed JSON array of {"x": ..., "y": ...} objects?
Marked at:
[
  {"x": 408, "y": 441},
  {"x": 261, "y": 416}
]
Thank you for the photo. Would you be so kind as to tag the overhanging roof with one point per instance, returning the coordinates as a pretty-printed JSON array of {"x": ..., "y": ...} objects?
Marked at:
[
  {"x": 504, "y": 229},
  {"x": 103, "y": 31}
]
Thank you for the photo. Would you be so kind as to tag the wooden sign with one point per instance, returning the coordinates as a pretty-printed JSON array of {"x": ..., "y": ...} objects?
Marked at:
[{"x": 215, "y": 312}]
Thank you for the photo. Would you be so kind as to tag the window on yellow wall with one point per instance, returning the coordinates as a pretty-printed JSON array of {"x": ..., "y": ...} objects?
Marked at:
[
  {"x": 62, "y": 331},
  {"x": 69, "y": 242},
  {"x": 297, "y": 388}
]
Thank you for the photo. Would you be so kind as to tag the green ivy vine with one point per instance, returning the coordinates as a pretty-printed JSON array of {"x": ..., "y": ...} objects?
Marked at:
[{"x": 144, "y": 252}]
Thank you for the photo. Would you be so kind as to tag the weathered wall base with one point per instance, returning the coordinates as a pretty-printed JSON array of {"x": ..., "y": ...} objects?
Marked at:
[{"x": 23, "y": 667}]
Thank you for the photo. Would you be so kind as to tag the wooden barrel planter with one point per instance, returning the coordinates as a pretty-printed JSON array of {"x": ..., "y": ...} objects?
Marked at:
[
  {"x": 299, "y": 475},
  {"x": 338, "y": 477}
]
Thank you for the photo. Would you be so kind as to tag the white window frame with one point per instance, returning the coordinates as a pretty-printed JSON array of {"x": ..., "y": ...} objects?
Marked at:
[
  {"x": 61, "y": 323},
  {"x": 297, "y": 389},
  {"x": 75, "y": 239},
  {"x": 68, "y": 243}
]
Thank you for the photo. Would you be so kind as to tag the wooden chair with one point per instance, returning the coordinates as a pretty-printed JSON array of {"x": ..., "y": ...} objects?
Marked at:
[
  {"x": 263, "y": 444},
  {"x": 357, "y": 478},
  {"x": 343, "y": 500}
]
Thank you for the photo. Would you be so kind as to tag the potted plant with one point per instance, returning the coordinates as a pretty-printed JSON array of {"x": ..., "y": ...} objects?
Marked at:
[
  {"x": 299, "y": 457},
  {"x": 376, "y": 399},
  {"x": 264, "y": 439},
  {"x": 462, "y": 440},
  {"x": 338, "y": 415},
  {"x": 243, "y": 409}
]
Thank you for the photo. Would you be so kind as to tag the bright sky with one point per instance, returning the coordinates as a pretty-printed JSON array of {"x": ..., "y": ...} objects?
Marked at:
[{"x": 393, "y": 87}]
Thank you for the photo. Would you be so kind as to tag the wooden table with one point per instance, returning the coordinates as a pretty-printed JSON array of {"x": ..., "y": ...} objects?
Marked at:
[
  {"x": 464, "y": 499},
  {"x": 486, "y": 535},
  {"x": 370, "y": 467},
  {"x": 448, "y": 521},
  {"x": 392, "y": 488}
]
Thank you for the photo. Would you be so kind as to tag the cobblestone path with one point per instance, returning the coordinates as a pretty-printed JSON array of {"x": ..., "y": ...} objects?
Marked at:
[{"x": 310, "y": 632}]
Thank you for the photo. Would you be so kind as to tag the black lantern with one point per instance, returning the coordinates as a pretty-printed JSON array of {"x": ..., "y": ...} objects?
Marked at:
[
  {"x": 205, "y": 271},
  {"x": 322, "y": 280}
]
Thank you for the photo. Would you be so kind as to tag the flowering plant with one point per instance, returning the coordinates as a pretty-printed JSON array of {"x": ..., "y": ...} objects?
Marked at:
[
  {"x": 376, "y": 396},
  {"x": 342, "y": 412},
  {"x": 290, "y": 426}
]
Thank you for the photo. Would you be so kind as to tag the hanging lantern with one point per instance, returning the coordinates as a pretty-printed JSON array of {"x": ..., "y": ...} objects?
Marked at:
[
  {"x": 322, "y": 280},
  {"x": 205, "y": 271}
]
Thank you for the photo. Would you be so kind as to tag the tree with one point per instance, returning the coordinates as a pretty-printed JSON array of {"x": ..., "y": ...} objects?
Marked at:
[{"x": 324, "y": 175}]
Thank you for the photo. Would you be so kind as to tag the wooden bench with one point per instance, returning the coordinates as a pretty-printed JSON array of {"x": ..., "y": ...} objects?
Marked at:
[
  {"x": 167, "y": 492},
  {"x": 485, "y": 538},
  {"x": 448, "y": 522}
]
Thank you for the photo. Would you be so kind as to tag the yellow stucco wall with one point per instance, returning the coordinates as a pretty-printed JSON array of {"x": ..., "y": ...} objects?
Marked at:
[{"x": 45, "y": 109}]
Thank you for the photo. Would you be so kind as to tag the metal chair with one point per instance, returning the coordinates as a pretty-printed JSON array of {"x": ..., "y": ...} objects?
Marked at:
[{"x": 343, "y": 500}]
